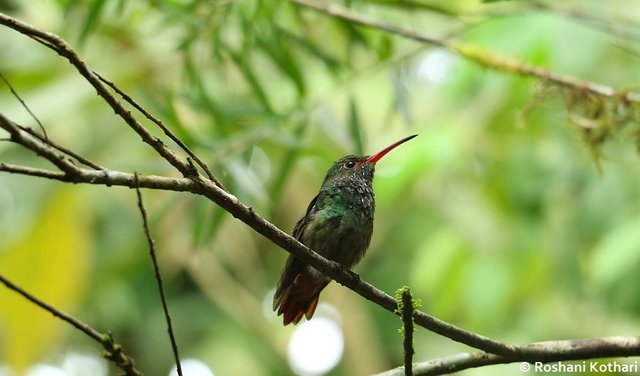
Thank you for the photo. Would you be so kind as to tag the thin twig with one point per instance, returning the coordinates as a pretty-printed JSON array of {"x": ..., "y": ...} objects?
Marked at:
[
  {"x": 15, "y": 94},
  {"x": 156, "y": 270},
  {"x": 106, "y": 177},
  {"x": 62, "y": 149},
  {"x": 44, "y": 137},
  {"x": 473, "y": 53},
  {"x": 407, "y": 321},
  {"x": 40, "y": 147},
  {"x": 113, "y": 351},
  {"x": 30, "y": 171},
  {"x": 86, "y": 329},
  {"x": 161, "y": 125}
]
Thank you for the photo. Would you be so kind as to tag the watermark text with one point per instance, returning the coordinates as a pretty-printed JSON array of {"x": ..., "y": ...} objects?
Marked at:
[{"x": 591, "y": 366}]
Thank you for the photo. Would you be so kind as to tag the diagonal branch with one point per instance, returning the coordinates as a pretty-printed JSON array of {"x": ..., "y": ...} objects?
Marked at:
[{"x": 476, "y": 54}]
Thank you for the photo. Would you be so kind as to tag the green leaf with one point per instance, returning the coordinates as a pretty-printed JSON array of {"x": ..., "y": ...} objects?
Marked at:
[
  {"x": 310, "y": 48},
  {"x": 287, "y": 164},
  {"x": 93, "y": 19},
  {"x": 207, "y": 220},
  {"x": 385, "y": 47},
  {"x": 202, "y": 96},
  {"x": 355, "y": 128},
  {"x": 282, "y": 57},
  {"x": 243, "y": 64},
  {"x": 400, "y": 99}
]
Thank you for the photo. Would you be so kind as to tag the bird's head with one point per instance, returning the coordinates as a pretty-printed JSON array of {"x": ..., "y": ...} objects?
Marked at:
[{"x": 358, "y": 167}]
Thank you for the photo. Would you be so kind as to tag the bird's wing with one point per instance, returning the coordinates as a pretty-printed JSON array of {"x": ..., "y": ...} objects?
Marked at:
[
  {"x": 298, "y": 229},
  {"x": 293, "y": 266}
]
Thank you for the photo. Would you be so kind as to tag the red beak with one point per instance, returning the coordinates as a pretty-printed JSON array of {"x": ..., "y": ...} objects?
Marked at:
[{"x": 377, "y": 156}]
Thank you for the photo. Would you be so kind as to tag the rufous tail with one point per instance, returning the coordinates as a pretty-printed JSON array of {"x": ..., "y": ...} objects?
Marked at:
[{"x": 299, "y": 298}]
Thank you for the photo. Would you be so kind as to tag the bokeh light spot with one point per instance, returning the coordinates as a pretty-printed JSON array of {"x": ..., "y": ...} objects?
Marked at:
[
  {"x": 192, "y": 367},
  {"x": 77, "y": 364},
  {"x": 436, "y": 66},
  {"x": 45, "y": 370},
  {"x": 315, "y": 347}
]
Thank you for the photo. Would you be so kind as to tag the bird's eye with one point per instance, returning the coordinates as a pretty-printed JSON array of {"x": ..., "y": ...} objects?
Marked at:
[{"x": 350, "y": 164}]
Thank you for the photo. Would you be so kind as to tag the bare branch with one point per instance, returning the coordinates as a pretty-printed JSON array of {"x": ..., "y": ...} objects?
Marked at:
[
  {"x": 113, "y": 351},
  {"x": 156, "y": 270},
  {"x": 483, "y": 57},
  {"x": 550, "y": 351}
]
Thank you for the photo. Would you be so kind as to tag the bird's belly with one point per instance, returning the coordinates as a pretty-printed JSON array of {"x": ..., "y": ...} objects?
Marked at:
[{"x": 338, "y": 237}]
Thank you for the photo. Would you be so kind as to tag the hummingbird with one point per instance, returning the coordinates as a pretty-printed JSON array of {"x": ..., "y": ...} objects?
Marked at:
[{"x": 338, "y": 225}]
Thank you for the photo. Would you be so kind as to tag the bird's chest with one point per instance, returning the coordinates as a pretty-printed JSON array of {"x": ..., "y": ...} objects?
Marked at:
[{"x": 342, "y": 229}]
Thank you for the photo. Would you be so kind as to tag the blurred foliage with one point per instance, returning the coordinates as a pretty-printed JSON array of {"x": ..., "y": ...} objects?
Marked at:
[{"x": 496, "y": 216}]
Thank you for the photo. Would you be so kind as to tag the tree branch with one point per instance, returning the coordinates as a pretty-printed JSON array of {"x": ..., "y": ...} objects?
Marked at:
[
  {"x": 476, "y": 54},
  {"x": 550, "y": 351},
  {"x": 113, "y": 351}
]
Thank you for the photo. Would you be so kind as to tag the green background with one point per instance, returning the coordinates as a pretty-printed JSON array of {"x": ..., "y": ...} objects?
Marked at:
[{"x": 504, "y": 216}]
